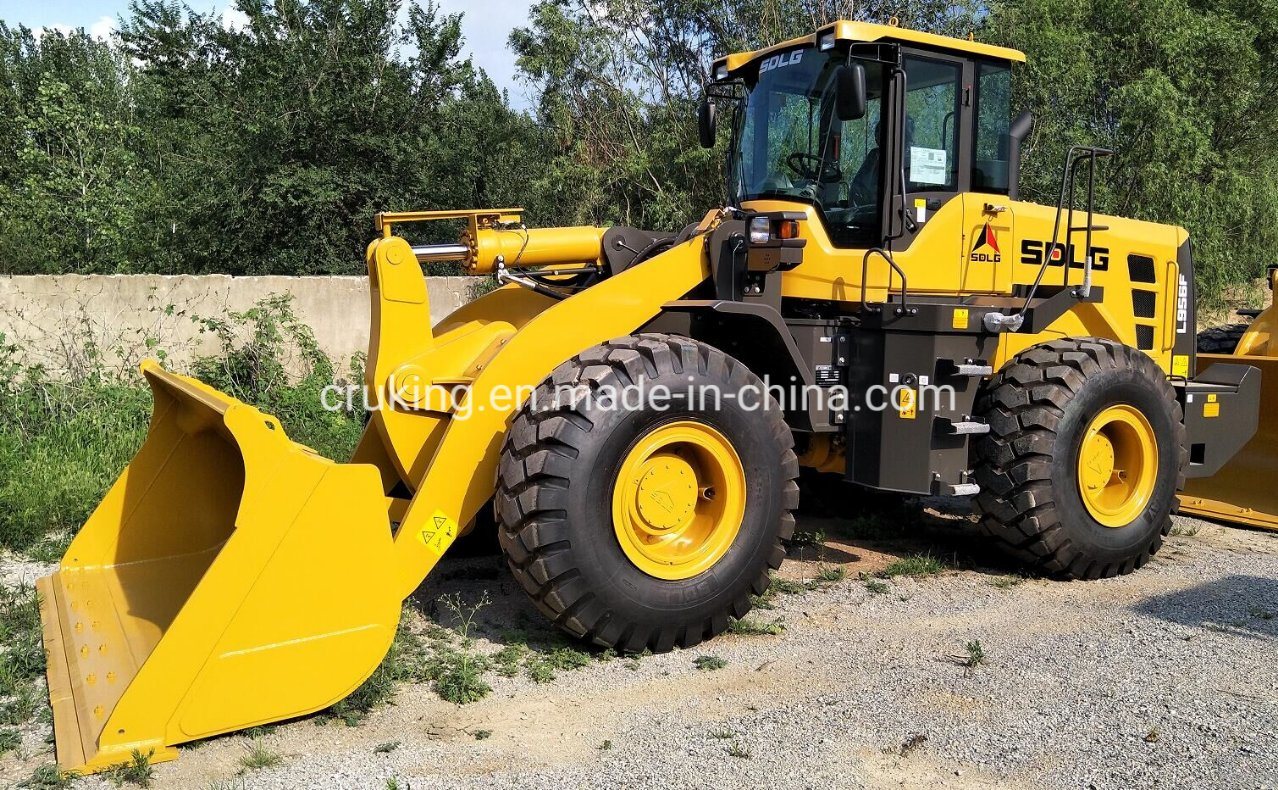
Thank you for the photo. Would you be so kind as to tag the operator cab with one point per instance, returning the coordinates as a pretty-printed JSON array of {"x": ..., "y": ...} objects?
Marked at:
[{"x": 934, "y": 121}]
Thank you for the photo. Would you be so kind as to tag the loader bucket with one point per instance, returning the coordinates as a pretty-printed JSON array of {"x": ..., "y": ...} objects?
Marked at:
[
  {"x": 1244, "y": 490},
  {"x": 229, "y": 578}
]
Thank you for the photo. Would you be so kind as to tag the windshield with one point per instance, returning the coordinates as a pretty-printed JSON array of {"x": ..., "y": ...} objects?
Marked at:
[{"x": 789, "y": 144}]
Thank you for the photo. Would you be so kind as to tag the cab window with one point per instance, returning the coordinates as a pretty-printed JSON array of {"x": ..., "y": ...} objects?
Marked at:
[
  {"x": 933, "y": 90},
  {"x": 993, "y": 123}
]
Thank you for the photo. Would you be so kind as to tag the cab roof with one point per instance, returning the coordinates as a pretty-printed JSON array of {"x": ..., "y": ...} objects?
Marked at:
[{"x": 864, "y": 32}]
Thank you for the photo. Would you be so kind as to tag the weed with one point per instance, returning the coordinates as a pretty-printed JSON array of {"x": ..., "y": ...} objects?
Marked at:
[
  {"x": 1262, "y": 614},
  {"x": 483, "y": 735},
  {"x": 756, "y": 628},
  {"x": 392, "y": 784},
  {"x": 813, "y": 538},
  {"x": 605, "y": 746},
  {"x": 831, "y": 574},
  {"x": 386, "y": 748},
  {"x": 914, "y": 565},
  {"x": 260, "y": 731},
  {"x": 10, "y": 740},
  {"x": 21, "y": 654},
  {"x": 460, "y": 677},
  {"x": 137, "y": 771},
  {"x": 723, "y": 735},
  {"x": 1188, "y": 530},
  {"x": 1153, "y": 735},
  {"x": 540, "y": 670},
  {"x": 459, "y": 674},
  {"x": 48, "y": 777},
  {"x": 259, "y": 756},
  {"x": 709, "y": 662},
  {"x": 909, "y": 745},
  {"x": 738, "y": 751},
  {"x": 1004, "y": 582},
  {"x": 876, "y": 586},
  {"x": 606, "y": 655},
  {"x": 509, "y": 658},
  {"x": 975, "y": 654},
  {"x": 785, "y": 587}
]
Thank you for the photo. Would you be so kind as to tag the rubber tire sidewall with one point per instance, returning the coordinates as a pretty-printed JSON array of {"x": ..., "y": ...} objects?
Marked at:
[
  {"x": 632, "y": 595},
  {"x": 1132, "y": 387}
]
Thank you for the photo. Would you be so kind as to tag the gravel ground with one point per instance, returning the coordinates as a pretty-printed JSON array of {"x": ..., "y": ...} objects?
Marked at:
[{"x": 1167, "y": 677}]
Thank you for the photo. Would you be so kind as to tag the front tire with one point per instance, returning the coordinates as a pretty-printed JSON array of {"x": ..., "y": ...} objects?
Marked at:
[
  {"x": 642, "y": 528},
  {"x": 1084, "y": 457}
]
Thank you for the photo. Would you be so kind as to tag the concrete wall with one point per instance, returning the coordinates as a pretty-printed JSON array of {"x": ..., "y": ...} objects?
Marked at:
[{"x": 56, "y": 320}]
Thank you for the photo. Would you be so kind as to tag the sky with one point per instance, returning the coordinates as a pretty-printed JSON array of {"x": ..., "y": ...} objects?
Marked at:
[{"x": 486, "y": 26}]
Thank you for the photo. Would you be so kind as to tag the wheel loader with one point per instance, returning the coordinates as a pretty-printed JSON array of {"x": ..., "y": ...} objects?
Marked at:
[{"x": 942, "y": 336}]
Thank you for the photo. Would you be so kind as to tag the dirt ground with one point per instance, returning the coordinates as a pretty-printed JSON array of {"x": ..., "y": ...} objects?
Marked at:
[{"x": 1166, "y": 677}]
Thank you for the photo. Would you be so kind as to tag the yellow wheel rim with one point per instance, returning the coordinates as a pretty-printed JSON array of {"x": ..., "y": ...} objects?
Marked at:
[
  {"x": 678, "y": 500},
  {"x": 1118, "y": 465}
]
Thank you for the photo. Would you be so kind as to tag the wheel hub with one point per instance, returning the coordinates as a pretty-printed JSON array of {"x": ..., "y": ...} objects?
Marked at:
[
  {"x": 1117, "y": 465},
  {"x": 678, "y": 500},
  {"x": 666, "y": 493}
]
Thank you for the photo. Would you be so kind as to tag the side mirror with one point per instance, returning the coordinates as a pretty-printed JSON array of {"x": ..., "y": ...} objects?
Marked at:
[
  {"x": 705, "y": 123},
  {"x": 849, "y": 100}
]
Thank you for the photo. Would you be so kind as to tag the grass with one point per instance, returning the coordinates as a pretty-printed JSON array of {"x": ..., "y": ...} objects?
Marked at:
[
  {"x": 723, "y": 735},
  {"x": 10, "y": 740},
  {"x": 137, "y": 771},
  {"x": 260, "y": 757},
  {"x": 386, "y": 748},
  {"x": 1005, "y": 582},
  {"x": 831, "y": 574},
  {"x": 877, "y": 586},
  {"x": 915, "y": 565},
  {"x": 48, "y": 777},
  {"x": 756, "y": 628},
  {"x": 606, "y": 746},
  {"x": 826, "y": 575},
  {"x": 709, "y": 663},
  {"x": 21, "y": 656},
  {"x": 65, "y": 438},
  {"x": 738, "y": 751},
  {"x": 483, "y": 735},
  {"x": 1188, "y": 530},
  {"x": 975, "y": 654},
  {"x": 814, "y": 538}
]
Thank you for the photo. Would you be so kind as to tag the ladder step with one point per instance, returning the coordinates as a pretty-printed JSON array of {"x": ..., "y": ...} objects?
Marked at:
[
  {"x": 964, "y": 489},
  {"x": 973, "y": 370},
  {"x": 968, "y": 428}
]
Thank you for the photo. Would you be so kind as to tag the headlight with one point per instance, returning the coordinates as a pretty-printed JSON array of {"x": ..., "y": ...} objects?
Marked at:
[
  {"x": 760, "y": 230},
  {"x": 826, "y": 41},
  {"x": 721, "y": 71}
]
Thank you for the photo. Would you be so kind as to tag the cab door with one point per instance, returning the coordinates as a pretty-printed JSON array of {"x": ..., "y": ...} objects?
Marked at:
[{"x": 932, "y": 162}]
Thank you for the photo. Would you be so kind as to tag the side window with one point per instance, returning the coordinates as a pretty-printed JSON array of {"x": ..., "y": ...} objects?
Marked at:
[
  {"x": 993, "y": 121},
  {"x": 933, "y": 89}
]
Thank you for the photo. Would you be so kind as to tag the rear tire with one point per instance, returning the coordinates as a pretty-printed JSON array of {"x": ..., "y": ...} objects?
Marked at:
[
  {"x": 557, "y": 501},
  {"x": 1044, "y": 408}
]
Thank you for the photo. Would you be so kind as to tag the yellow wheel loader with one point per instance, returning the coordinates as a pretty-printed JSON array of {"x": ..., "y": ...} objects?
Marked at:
[{"x": 635, "y": 406}]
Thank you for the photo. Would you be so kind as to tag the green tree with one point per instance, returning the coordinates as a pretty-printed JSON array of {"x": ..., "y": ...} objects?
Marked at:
[{"x": 1177, "y": 88}]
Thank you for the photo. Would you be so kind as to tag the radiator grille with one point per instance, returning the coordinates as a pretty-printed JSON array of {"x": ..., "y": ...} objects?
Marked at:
[{"x": 1140, "y": 268}]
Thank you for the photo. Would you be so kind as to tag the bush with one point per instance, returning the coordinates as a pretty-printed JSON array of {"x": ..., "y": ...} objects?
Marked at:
[{"x": 64, "y": 441}]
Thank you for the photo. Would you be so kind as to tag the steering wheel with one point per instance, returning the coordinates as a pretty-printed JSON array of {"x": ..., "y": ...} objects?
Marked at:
[{"x": 805, "y": 165}]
